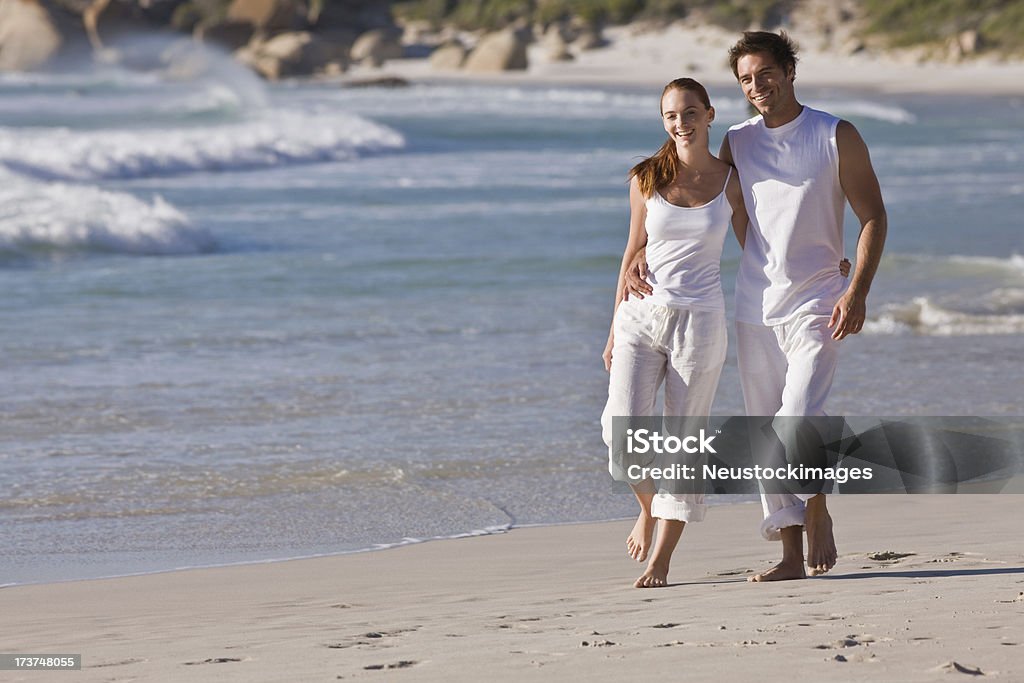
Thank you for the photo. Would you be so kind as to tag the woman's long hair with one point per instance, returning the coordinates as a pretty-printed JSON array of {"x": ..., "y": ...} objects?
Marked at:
[{"x": 660, "y": 169}]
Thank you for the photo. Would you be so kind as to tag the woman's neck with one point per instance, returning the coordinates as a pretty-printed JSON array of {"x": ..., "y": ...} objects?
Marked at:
[{"x": 694, "y": 158}]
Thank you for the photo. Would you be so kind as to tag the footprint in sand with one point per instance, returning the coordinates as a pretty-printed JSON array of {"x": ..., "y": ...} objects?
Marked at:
[
  {"x": 120, "y": 663},
  {"x": 371, "y": 638},
  {"x": 888, "y": 555},
  {"x": 951, "y": 557},
  {"x": 404, "y": 664},
  {"x": 734, "y": 572},
  {"x": 950, "y": 667},
  {"x": 839, "y": 644}
]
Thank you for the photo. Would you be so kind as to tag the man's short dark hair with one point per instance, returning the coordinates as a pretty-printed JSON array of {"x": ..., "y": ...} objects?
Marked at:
[{"x": 778, "y": 45}]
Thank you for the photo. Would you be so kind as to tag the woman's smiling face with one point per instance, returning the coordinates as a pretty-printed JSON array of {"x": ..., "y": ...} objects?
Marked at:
[{"x": 685, "y": 117}]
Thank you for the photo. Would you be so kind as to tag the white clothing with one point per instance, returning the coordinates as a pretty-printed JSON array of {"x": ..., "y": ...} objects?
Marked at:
[
  {"x": 790, "y": 181},
  {"x": 684, "y": 251},
  {"x": 786, "y": 370},
  {"x": 683, "y": 347},
  {"x": 788, "y": 281}
]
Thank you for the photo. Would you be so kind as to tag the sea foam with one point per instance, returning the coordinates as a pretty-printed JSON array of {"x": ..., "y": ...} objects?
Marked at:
[
  {"x": 46, "y": 218},
  {"x": 1002, "y": 313},
  {"x": 276, "y": 138}
]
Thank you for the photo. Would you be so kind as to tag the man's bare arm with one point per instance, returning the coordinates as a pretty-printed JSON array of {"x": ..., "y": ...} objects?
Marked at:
[{"x": 860, "y": 184}]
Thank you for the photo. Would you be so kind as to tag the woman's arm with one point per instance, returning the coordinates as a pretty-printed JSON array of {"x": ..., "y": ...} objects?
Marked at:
[{"x": 636, "y": 241}]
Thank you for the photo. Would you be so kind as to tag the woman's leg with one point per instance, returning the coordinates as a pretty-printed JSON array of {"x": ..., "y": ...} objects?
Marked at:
[
  {"x": 696, "y": 342},
  {"x": 656, "y": 574},
  {"x": 636, "y": 374}
]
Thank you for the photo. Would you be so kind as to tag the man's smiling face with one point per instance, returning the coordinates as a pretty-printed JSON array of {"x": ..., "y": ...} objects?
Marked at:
[{"x": 765, "y": 83}]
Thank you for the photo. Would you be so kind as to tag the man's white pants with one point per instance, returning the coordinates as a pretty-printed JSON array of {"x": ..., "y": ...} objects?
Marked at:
[
  {"x": 685, "y": 349},
  {"x": 786, "y": 370}
]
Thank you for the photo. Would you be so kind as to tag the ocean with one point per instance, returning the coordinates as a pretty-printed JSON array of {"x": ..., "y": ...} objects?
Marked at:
[{"x": 243, "y": 322}]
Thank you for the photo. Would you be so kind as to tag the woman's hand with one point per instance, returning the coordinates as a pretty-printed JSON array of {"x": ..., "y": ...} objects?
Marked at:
[
  {"x": 607, "y": 355},
  {"x": 844, "y": 267}
]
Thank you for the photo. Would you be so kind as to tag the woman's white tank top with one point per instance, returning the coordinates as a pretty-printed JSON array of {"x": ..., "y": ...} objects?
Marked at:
[{"x": 684, "y": 251}]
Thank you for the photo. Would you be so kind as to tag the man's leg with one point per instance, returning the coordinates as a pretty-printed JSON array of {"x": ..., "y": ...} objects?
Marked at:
[
  {"x": 763, "y": 367},
  {"x": 813, "y": 356}
]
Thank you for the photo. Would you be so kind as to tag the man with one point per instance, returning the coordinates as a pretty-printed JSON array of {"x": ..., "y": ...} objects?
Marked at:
[{"x": 797, "y": 166}]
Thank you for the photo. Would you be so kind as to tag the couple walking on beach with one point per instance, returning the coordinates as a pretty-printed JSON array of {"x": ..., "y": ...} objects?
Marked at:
[{"x": 782, "y": 179}]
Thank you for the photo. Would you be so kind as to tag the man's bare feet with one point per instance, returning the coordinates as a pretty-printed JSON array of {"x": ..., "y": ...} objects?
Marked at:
[
  {"x": 656, "y": 576},
  {"x": 792, "y": 565},
  {"x": 821, "y": 544},
  {"x": 638, "y": 543},
  {"x": 783, "y": 571}
]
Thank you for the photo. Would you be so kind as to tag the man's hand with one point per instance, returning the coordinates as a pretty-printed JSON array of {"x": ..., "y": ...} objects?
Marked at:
[
  {"x": 636, "y": 277},
  {"x": 848, "y": 315},
  {"x": 607, "y": 355}
]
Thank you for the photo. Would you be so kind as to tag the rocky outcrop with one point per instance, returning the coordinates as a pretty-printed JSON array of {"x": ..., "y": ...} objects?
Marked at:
[
  {"x": 228, "y": 33},
  {"x": 589, "y": 39},
  {"x": 357, "y": 16},
  {"x": 28, "y": 37},
  {"x": 375, "y": 47},
  {"x": 964, "y": 44},
  {"x": 100, "y": 20},
  {"x": 297, "y": 53},
  {"x": 558, "y": 49},
  {"x": 380, "y": 82},
  {"x": 448, "y": 56},
  {"x": 499, "y": 51},
  {"x": 267, "y": 15}
]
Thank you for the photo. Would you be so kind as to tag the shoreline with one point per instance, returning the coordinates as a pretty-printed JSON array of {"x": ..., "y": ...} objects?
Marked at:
[
  {"x": 377, "y": 547},
  {"x": 940, "y": 591}
]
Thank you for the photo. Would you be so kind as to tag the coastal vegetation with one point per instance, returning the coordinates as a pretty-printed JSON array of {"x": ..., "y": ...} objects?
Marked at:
[{"x": 997, "y": 25}]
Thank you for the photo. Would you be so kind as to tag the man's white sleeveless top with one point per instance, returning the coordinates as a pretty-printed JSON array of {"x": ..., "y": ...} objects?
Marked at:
[
  {"x": 790, "y": 181},
  {"x": 684, "y": 251}
]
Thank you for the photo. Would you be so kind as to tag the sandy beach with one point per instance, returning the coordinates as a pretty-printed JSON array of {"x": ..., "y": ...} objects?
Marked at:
[
  {"x": 641, "y": 54},
  {"x": 942, "y": 599}
]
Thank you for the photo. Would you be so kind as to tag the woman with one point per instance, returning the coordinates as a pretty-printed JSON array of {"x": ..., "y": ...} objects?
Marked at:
[{"x": 682, "y": 200}]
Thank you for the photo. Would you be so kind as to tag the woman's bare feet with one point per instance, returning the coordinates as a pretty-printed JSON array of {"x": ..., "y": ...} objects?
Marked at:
[
  {"x": 656, "y": 576},
  {"x": 638, "y": 543}
]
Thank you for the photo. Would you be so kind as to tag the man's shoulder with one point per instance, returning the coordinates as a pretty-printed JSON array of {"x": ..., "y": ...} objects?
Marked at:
[
  {"x": 830, "y": 119},
  {"x": 749, "y": 124},
  {"x": 745, "y": 132}
]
